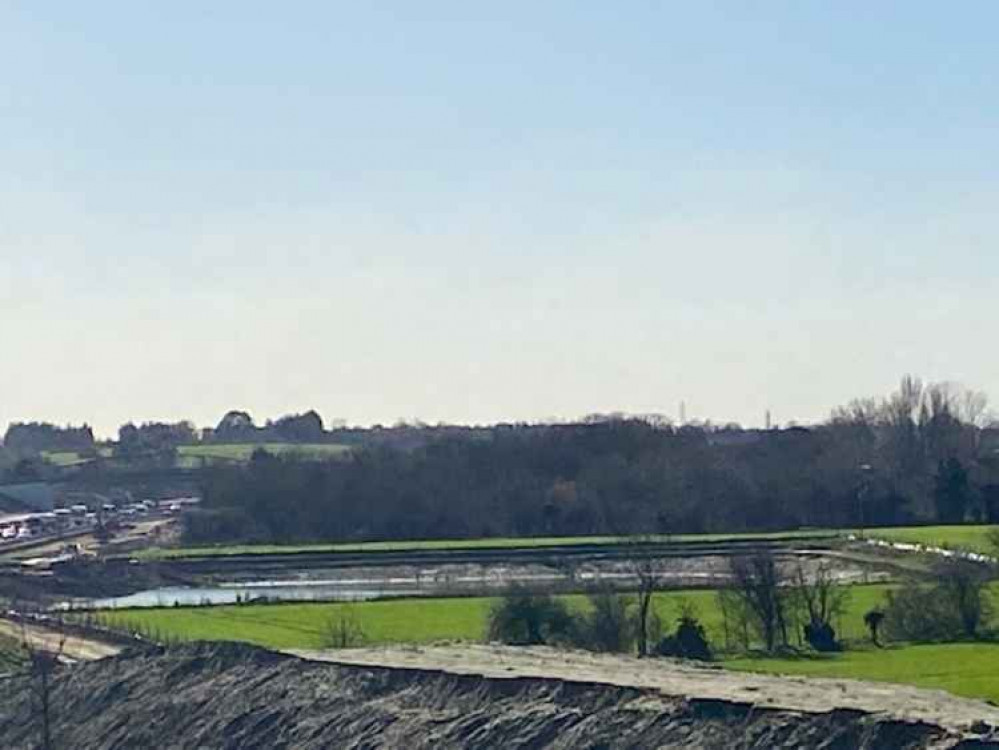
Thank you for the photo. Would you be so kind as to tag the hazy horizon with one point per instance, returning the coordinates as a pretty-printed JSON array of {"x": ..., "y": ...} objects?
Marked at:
[{"x": 502, "y": 213}]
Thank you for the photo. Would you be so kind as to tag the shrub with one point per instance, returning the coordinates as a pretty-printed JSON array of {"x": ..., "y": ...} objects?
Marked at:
[
  {"x": 523, "y": 619},
  {"x": 821, "y": 636},
  {"x": 961, "y": 584},
  {"x": 953, "y": 606},
  {"x": 689, "y": 641},
  {"x": 343, "y": 629},
  {"x": 607, "y": 628},
  {"x": 918, "y": 613}
]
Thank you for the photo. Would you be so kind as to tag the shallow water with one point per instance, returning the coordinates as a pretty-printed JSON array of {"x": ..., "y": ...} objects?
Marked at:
[{"x": 247, "y": 592}]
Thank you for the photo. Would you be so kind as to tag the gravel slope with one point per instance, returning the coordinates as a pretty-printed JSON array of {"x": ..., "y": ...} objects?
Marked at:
[
  {"x": 680, "y": 679},
  {"x": 230, "y": 697}
]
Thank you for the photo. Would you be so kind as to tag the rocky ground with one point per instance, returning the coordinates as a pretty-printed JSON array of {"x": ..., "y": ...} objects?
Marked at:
[{"x": 229, "y": 697}]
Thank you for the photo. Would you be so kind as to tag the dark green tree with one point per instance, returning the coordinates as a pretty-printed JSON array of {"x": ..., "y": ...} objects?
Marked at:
[{"x": 951, "y": 491}]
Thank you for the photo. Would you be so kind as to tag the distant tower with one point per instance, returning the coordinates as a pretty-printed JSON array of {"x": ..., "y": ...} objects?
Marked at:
[
  {"x": 769, "y": 421},
  {"x": 683, "y": 413}
]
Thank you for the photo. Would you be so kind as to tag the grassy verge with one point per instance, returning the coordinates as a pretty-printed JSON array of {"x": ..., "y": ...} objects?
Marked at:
[
  {"x": 453, "y": 544},
  {"x": 967, "y": 669},
  {"x": 243, "y": 451},
  {"x": 971, "y": 538}
]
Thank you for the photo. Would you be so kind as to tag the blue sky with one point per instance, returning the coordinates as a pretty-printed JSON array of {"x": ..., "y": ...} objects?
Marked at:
[{"x": 476, "y": 212}]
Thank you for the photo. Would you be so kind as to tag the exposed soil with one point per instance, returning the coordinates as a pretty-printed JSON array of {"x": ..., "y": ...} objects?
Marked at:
[
  {"x": 229, "y": 697},
  {"x": 679, "y": 678}
]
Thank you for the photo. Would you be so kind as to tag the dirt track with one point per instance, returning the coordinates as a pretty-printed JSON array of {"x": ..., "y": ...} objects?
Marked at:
[
  {"x": 678, "y": 679},
  {"x": 69, "y": 646}
]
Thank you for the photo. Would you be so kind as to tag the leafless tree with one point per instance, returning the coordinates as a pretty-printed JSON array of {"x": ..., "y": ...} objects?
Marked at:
[
  {"x": 342, "y": 629},
  {"x": 818, "y": 594},
  {"x": 41, "y": 661},
  {"x": 757, "y": 583},
  {"x": 821, "y": 602},
  {"x": 735, "y": 620},
  {"x": 648, "y": 569},
  {"x": 963, "y": 585}
]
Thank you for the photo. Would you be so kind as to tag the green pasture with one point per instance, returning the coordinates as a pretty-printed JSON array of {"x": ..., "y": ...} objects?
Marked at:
[
  {"x": 971, "y": 538},
  {"x": 294, "y": 625},
  {"x": 193, "y": 455},
  {"x": 243, "y": 451},
  {"x": 63, "y": 458},
  {"x": 968, "y": 669},
  {"x": 71, "y": 458}
]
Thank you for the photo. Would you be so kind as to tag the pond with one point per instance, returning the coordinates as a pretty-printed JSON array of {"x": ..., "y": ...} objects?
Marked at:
[{"x": 234, "y": 593}]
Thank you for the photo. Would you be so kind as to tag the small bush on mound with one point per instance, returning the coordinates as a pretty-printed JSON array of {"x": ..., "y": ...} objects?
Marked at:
[
  {"x": 689, "y": 641},
  {"x": 524, "y": 619},
  {"x": 822, "y": 637},
  {"x": 918, "y": 613},
  {"x": 954, "y": 607}
]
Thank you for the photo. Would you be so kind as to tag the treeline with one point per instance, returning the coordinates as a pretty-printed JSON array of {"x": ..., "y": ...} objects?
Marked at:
[
  {"x": 767, "y": 605},
  {"x": 239, "y": 427},
  {"x": 30, "y": 438},
  {"x": 923, "y": 454}
]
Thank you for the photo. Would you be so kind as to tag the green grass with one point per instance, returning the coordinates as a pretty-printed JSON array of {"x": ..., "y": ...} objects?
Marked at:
[
  {"x": 12, "y": 655},
  {"x": 63, "y": 458},
  {"x": 968, "y": 669},
  {"x": 450, "y": 544},
  {"x": 296, "y": 625},
  {"x": 243, "y": 451},
  {"x": 968, "y": 538},
  {"x": 192, "y": 455},
  {"x": 302, "y": 625}
]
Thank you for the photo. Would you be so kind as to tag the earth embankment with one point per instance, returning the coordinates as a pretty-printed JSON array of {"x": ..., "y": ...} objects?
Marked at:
[{"x": 230, "y": 696}]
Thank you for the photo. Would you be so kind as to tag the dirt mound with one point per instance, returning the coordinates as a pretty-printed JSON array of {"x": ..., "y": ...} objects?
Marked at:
[{"x": 230, "y": 696}]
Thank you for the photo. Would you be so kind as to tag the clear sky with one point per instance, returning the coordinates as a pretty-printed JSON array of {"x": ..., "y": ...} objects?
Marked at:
[{"x": 472, "y": 212}]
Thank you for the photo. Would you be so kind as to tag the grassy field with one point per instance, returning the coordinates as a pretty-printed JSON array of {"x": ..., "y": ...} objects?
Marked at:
[
  {"x": 448, "y": 544},
  {"x": 192, "y": 455},
  {"x": 972, "y": 538},
  {"x": 243, "y": 451},
  {"x": 62, "y": 458},
  {"x": 410, "y": 620},
  {"x": 969, "y": 669},
  {"x": 70, "y": 458}
]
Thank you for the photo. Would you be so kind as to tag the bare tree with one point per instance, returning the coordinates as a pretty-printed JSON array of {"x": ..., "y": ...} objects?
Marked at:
[
  {"x": 648, "y": 569},
  {"x": 342, "y": 629},
  {"x": 873, "y": 620},
  {"x": 735, "y": 620},
  {"x": 963, "y": 585},
  {"x": 41, "y": 659},
  {"x": 757, "y": 582},
  {"x": 648, "y": 580},
  {"x": 822, "y": 601}
]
